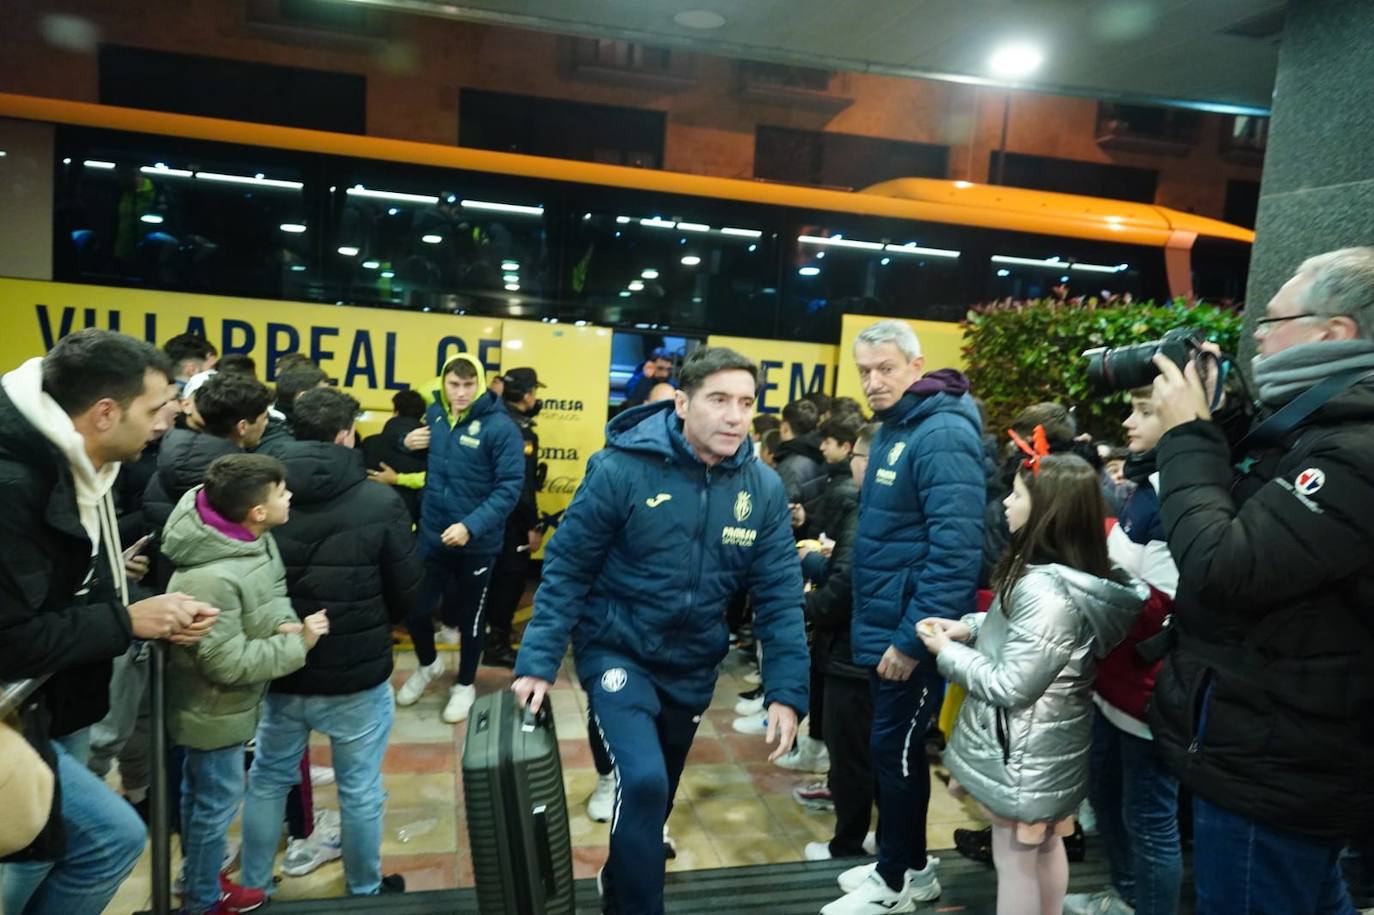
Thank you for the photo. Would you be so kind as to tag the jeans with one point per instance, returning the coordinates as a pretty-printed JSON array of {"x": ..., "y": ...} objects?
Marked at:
[
  {"x": 1247, "y": 868},
  {"x": 1136, "y": 802},
  {"x": 211, "y": 791},
  {"x": 123, "y": 732},
  {"x": 104, "y": 840},
  {"x": 457, "y": 583},
  {"x": 902, "y": 714},
  {"x": 648, "y": 737},
  {"x": 358, "y": 725}
]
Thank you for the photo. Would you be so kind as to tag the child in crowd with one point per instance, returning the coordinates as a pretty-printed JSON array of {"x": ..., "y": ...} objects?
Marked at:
[
  {"x": 1020, "y": 747},
  {"x": 217, "y": 537}
]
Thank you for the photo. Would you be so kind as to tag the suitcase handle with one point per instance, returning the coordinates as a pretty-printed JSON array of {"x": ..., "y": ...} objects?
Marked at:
[
  {"x": 545, "y": 848},
  {"x": 531, "y": 720}
]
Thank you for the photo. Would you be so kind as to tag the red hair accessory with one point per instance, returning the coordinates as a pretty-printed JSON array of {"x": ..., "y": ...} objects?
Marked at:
[{"x": 1034, "y": 452}]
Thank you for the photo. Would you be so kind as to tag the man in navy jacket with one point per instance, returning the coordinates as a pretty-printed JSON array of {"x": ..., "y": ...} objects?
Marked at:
[
  {"x": 473, "y": 479},
  {"x": 917, "y": 556},
  {"x": 673, "y": 518}
]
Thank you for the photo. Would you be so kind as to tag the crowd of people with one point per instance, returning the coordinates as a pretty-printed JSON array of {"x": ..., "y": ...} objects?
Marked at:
[{"x": 1175, "y": 635}]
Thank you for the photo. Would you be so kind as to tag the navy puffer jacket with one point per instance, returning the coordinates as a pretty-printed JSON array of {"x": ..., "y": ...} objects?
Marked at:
[
  {"x": 920, "y": 518},
  {"x": 475, "y": 474},
  {"x": 648, "y": 556}
]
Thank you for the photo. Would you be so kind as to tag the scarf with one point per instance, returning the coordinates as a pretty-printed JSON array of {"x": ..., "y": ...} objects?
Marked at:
[{"x": 1286, "y": 374}]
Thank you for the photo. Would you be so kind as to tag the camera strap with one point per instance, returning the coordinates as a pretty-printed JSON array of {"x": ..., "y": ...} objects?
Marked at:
[{"x": 1273, "y": 429}]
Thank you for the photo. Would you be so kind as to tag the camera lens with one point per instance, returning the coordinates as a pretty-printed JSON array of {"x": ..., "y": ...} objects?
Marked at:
[{"x": 1122, "y": 368}]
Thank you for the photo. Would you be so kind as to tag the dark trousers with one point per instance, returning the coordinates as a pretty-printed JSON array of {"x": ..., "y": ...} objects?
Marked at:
[
  {"x": 601, "y": 757},
  {"x": 647, "y": 737},
  {"x": 817, "y": 712},
  {"x": 508, "y": 584},
  {"x": 457, "y": 583},
  {"x": 902, "y": 714},
  {"x": 848, "y": 723}
]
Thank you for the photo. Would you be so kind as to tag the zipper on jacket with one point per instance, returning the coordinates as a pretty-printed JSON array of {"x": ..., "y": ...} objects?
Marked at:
[
  {"x": 1004, "y": 735},
  {"x": 1198, "y": 709},
  {"x": 703, "y": 502}
]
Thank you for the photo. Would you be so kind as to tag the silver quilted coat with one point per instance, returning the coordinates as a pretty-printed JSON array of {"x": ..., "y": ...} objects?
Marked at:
[{"x": 1020, "y": 746}]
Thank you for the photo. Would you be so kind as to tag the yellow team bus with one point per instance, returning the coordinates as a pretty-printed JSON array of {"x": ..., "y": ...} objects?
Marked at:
[{"x": 183, "y": 206}]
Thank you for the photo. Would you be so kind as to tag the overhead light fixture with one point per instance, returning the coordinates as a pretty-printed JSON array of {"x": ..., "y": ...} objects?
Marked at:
[
  {"x": 511, "y": 277},
  {"x": 503, "y": 207},
  {"x": 348, "y": 251},
  {"x": 809, "y": 271},
  {"x": 294, "y": 228},
  {"x": 693, "y": 227},
  {"x": 650, "y": 274},
  {"x": 298, "y": 268},
  {"x": 99, "y": 164},
  {"x": 1004, "y": 272},
  {"x": 512, "y": 287},
  {"x": 622, "y": 219},
  {"x": 391, "y": 195},
  {"x": 249, "y": 179},
  {"x": 885, "y": 261},
  {"x": 1016, "y": 60},
  {"x": 388, "y": 274},
  {"x": 67, "y": 161},
  {"x": 918, "y": 251},
  {"x": 753, "y": 247},
  {"x": 743, "y": 233},
  {"x": 963, "y": 184},
  {"x": 163, "y": 171},
  {"x": 1096, "y": 268},
  {"x": 624, "y": 293},
  {"x": 152, "y": 218},
  {"x": 372, "y": 265},
  {"x": 657, "y": 223},
  {"x": 431, "y": 239},
  {"x": 691, "y": 260},
  {"x": 1052, "y": 262},
  {"x": 636, "y": 286},
  {"x": 840, "y": 242},
  {"x": 510, "y": 266},
  {"x": 699, "y": 19}
]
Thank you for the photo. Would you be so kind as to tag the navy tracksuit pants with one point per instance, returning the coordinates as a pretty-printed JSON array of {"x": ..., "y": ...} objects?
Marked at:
[
  {"x": 902, "y": 715},
  {"x": 647, "y": 736}
]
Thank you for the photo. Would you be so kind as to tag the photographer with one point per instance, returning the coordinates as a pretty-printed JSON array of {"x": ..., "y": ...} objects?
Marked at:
[{"x": 1264, "y": 706}]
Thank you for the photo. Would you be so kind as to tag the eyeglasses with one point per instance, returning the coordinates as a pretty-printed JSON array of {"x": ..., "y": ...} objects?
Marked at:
[{"x": 1265, "y": 322}]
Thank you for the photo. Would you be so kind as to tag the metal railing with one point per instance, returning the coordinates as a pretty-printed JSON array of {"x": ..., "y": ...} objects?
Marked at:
[{"x": 13, "y": 694}]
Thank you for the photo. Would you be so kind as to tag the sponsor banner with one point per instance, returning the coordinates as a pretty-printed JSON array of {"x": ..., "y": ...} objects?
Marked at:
[
  {"x": 941, "y": 343},
  {"x": 787, "y": 369},
  {"x": 575, "y": 363},
  {"x": 371, "y": 352}
]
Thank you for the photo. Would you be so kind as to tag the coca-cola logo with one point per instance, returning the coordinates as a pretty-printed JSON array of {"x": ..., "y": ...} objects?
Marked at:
[{"x": 564, "y": 486}]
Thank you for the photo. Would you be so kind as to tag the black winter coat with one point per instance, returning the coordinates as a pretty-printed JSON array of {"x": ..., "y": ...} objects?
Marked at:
[
  {"x": 386, "y": 447},
  {"x": 830, "y": 607},
  {"x": 1266, "y": 704},
  {"x": 347, "y": 549},
  {"x": 60, "y": 611},
  {"x": 182, "y": 460},
  {"x": 525, "y": 517},
  {"x": 802, "y": 466}
]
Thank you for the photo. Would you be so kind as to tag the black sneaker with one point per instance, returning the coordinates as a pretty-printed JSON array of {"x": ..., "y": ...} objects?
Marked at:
[
  {"x": 753, "y": 693},
  {"x": 1074, "y": 846},
  {"x": 499, "y": 656},
  {"x": 393, "y": 883},
  {"x": 975, "y": 844}
]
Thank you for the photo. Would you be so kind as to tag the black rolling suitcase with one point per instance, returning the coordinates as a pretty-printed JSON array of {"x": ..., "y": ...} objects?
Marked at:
[{"x": 517, "y": 812}]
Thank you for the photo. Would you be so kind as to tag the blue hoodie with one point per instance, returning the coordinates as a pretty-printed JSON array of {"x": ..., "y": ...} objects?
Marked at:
[
  {"x": 649, "y": 554},
  {"x": 920, "y": 518}
]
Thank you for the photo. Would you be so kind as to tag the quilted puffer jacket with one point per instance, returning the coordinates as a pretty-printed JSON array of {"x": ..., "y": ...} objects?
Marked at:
[{"x": 1020, "y": 746}]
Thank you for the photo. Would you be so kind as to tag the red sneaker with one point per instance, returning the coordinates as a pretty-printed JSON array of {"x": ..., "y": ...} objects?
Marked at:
[{"x": 234, "y": 898}]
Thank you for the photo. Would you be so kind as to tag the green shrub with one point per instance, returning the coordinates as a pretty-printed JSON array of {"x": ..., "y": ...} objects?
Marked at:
[{"x": 1017, "y": 355}]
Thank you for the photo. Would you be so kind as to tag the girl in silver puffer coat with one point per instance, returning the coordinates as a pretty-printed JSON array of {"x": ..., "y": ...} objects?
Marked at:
[{"x": 1020, "y": 747}]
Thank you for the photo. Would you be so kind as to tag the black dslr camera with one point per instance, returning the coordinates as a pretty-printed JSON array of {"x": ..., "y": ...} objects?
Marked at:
[{"x": 1125, "y": 368}]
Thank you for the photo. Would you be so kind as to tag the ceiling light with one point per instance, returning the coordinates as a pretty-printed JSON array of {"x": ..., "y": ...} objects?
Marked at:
[
  {"x": 67, "y": 161},
  {"x": 839, "y": 241},
  {"x": 657, "y": 223},
  {"x": 809, "y": 271},
  {"x": 624, "y": 293},
  {"x": 1095, "y": 268},
  {"x": 753, "y": 247},
  {"x": 1004, "y": 272},
  {"x": 1053, "y": 262},
  {"x": 391, "y": 195},
  {"x": 1015, "y": 61},
  {"x": 348, "y": 251},
  {"x": 297, "y": 268},
  {"x": 511, "y": 277},
  {"x": 510, "y": 266},
  {"x": 372, "y": 265},
  {"x": 699, "y": 19},
  {"x": 96, "y": 163},
  {"x": 636, "y": 286},
  {"x": 165, "y": 172},
  {"x": 246, "y": 179},
  {"x": 503, "y": 207},
  {"x": 294, "y": 228},
  {"x": 691, "y": 260},
  {"x": 921, "y": 252},
  {"x": 693, "y": 227},
  {"x": 963, "y": 184},
  {"x": 512, "y": 287},
  {"x": 622, "y": 219},
  {"x": 431, "y": 239},
  {"x": 388, "y": 274},
  {"x": 152, "y": 218},
  {"x": 744, "y": 233},
  {"x": 650, "y": 274},
  {"x": 885, "y": 261}
]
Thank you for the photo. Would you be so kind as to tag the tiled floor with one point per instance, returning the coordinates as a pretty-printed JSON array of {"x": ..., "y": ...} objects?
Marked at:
[{"x": 733, "y": 807}]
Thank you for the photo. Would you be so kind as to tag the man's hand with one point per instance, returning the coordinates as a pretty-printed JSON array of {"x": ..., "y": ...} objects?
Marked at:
[
  {"x": 536, "y": 540},
  {"x": 782, "y": 721},
  {"x": 314, "y": 627},
  {"x": 895, "y": 665},
  {"x": 200, "y": 627},
  {"x": 455, "y": 535},
  {"x": 531, "y": 691},
  {"x": 164, "y": 615},
  {"x": 385, "y": 475},
  {"x": 417, "y": 439},
  {"x": 1179, "y": 396}
]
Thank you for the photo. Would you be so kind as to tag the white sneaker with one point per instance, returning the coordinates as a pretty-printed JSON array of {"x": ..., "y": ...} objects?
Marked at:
[
  {"x": 460, "y": 700},
  {"x": 806, "y": 755},
  {"x": 601, "y": 805},
  {"x": 669, "y": 846},
  {"x": 1103, "y": 902},
  {"x": 448, "y": 635},
  {"x": 321, "y": 775},
  {"x": 873, "y": 897},
  {"x": 923, "y": 883},
  {"x": 757, "y": 724},
  {"x": 304, "y": 856},
  {"x": 871, "y": 843},
  {"x": 817, "y": 851},
  {"x": 419, "y": 681},
  {"x": 746, "y": 708}
]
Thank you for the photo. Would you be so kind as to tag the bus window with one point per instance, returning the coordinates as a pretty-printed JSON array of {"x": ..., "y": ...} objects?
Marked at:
[
  {"x": 897, "y": 269},
  {"x": 667, "y": 269},
  {"x": 1221, "y": 268},
  {"x": 176, "y": 214},
  {"x": 1015, "y": 265},
  {"x": 418, "y": 237}
]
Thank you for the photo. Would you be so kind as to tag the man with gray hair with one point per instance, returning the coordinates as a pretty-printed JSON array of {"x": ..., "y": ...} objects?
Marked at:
[
  {"x": 1265, "y": 706},
  {"x": 919, "y": 544}
]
